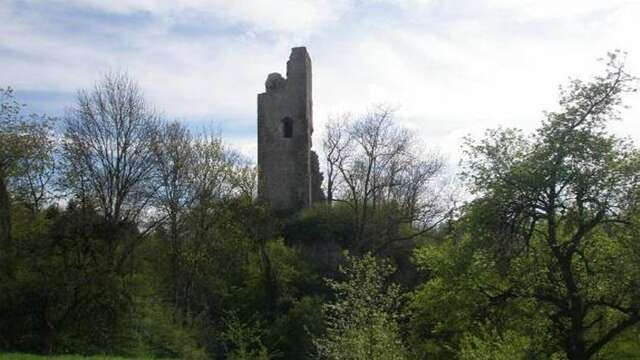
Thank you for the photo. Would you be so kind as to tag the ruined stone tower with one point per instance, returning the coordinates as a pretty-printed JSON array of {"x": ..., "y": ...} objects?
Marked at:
[{"x": 288, "y": 174}]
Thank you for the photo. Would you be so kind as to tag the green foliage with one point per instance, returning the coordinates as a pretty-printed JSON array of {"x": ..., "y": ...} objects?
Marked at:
[
  {"x": 458, "y": 300},
  {"x": 244, "y": 339},
  {"x": 294, "y": 330},
  {"x": 70, "y": 302},
  {"x": 322, "y": 224},
  {"x": 21, "y": 137},
  {"x": 361, "y": 322},
  {"x": 624, "y": 346},
  {"x": 544, "y": 254},
  {"x": 26, "y": 163},
  {"x": 442, "y": 307},
  {"x": 16, "y": 356},
  {"x": 156, "y": 332},
  {"x": 228, "y": 268},
  {"x": 179, "y": 261},
  {"x": 510, "y": 346}
]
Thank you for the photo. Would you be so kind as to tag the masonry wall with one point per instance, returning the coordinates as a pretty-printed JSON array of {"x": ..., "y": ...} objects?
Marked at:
[{"x": 284, "y": 169}]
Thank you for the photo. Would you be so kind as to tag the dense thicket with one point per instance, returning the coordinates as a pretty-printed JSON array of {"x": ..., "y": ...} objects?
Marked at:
[{"x": 124, "y": 233}]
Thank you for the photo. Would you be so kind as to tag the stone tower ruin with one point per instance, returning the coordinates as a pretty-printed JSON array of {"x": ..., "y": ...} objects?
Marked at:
[{"x": 288, "y": 171}]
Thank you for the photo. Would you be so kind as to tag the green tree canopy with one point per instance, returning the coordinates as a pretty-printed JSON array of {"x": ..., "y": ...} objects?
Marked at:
[
  {"x": 361, "y": 322},
  {"x": 553, "y": 230}
]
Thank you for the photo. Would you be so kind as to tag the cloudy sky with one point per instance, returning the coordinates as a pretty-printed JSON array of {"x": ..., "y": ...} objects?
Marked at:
[{"x": 450, "y": 67}]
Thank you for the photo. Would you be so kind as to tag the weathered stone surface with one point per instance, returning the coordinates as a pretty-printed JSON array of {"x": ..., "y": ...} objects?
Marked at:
[
  {"x": 275, "y": 82},
  {"x": 317, "y": 195},
  {"x": 285, "y": 126}
]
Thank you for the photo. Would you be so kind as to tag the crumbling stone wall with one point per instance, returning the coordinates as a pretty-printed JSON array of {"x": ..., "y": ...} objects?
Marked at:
[
  {"x": 287, "y": 178},
  {"x": 317, "y": 195}
]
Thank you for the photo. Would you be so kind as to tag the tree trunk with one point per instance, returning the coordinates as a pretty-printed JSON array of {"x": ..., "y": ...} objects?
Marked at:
[
  {"x": 174, "y": 264},
  {"x": 271, "y": 284},
  {"x": 330, "y": 177},
  {"x": 5, "y": 214},
  {"x": 47, "y": 335},
  {"x": 577, "y": 351}
]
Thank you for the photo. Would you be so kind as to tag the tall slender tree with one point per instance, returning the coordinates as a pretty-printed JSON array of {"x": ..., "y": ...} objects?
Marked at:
[
  {"x": 108, "y": 140},
  {"x": 175, "y": 158},
  {"x": 24, "y": 142}
]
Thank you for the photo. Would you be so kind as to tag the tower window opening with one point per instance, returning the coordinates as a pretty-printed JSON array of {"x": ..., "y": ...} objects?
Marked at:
[{"x": 287, "y": 127}]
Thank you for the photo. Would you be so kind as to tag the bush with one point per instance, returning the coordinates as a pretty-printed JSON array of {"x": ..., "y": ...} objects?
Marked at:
[{"x": 322, "y": 224}]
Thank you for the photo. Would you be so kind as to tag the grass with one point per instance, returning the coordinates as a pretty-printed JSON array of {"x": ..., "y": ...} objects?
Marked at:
[{"x": 14, "y": 356}]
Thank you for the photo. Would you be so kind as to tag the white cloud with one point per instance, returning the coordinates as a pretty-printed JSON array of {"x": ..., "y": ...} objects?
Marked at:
[
  {"x": 261, "y": 15},
  {"x": 452, "y": 68},
  {"x": 526, "y": 10}
]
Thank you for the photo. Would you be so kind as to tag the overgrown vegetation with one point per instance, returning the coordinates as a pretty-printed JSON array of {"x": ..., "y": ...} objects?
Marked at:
[
  {"x": 16, "y": 356},
  {"x": 125, "y": 234}
]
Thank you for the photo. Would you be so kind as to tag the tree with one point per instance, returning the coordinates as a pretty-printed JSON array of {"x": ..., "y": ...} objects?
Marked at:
[
  {"x": 557, "y": 208},
  {"x": 108, "y": 140},
  {"x": 379, "y": 170},
  {"x": 25, "y": 154},
  {"x": 361, "y": 322},
  {"x": 459, "y": 308},
  {"x": 245, "y": 339},
  {"x": 175, "y": 160},
  {"x": 37, "y": 172},
  {"x": 218, "y": 179},
  {"x": 334, "y": 145},
  {"x": 9, "y": 153}
]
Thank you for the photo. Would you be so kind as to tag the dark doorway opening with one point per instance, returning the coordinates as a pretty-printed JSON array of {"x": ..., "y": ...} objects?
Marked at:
[{"x": 287, "y": 127}]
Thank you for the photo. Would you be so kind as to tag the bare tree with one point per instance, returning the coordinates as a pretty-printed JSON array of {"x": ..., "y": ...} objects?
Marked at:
[
  {"x": 108, "y": 139},
  {"x": 334, "y": 145},
  {"x": 244, "y": 179},
  {"x": 382, "y": 173}
]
